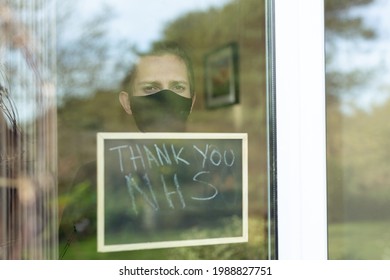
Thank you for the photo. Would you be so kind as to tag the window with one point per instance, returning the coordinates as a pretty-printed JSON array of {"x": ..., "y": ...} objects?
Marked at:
[
  {"x": 334, "y": 207},
  {"x": 357, "y": 91},
  {"x": 96, "y": 52}
]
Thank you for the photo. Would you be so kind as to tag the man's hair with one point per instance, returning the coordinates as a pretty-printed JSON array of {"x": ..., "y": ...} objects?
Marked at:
[{"x": 159, "y": 49}]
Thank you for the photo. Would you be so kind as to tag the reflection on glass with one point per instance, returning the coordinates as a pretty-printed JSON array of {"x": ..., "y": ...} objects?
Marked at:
[
  {"x": 97, "y": 49},
  {"x": 28, "y": 163},
  {"x": 358, "y": 104}
]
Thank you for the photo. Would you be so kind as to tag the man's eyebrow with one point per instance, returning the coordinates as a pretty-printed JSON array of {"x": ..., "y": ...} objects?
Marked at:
[
  {"x": 179, "y": 81},
  {"x": 152, "y": 82},
  {"x": 149, "y": 82}
]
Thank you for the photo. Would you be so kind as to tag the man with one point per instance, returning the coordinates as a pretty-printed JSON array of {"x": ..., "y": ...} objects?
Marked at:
[
  {"x": 159, "y": 94},
  {"x": 160, "y": 90}
]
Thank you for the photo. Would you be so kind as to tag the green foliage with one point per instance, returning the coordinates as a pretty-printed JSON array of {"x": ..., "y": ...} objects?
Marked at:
[
  {"x": 360, "y": 241},
  {"x": 254, "y": 249}
]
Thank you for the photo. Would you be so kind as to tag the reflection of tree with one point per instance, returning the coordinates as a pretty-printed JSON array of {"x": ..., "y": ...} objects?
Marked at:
[
  {"x": 342, "y": 26},
  {"x": 89, "y": 58},
  {"x": 355, "y": 147},
  {"x": 90, "y": 66}
]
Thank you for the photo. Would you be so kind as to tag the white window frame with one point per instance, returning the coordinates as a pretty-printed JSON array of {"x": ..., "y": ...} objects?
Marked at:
[{"x": 300, "y": 127}]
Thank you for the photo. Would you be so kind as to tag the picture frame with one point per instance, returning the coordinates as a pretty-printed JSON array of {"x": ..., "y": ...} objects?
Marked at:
[{"x": 221, "y": 76}]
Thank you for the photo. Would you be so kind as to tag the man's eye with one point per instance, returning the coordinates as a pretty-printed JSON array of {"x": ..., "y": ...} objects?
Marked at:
[
  {"x": 179, "y": 88},
  {"x": 150, "y": 89}
]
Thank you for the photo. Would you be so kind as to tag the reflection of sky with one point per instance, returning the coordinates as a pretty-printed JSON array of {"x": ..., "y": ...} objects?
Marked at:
[
  {"x": 371, "y": 52},
  {"x": 368, "y": 55},
  {"x": 142, "y": 21},
  {"x": 137, "y": 21}
]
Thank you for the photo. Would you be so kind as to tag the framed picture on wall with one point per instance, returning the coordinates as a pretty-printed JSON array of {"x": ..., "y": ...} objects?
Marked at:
[{"x": 221, "y": 76}]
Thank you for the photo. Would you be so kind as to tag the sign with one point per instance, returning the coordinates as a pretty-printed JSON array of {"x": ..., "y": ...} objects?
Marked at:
[{"x": 160, "y": 190}]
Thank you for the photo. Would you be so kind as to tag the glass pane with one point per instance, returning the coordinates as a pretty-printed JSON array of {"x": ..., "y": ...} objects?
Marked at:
[
  {"x": 28, "y": 142},
  {"x": 98, "y": 45},
  {"x": 357, "y": 85}
]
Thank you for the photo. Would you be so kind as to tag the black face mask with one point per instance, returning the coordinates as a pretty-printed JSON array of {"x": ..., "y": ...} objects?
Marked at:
[{"x": 164, "y": 111}]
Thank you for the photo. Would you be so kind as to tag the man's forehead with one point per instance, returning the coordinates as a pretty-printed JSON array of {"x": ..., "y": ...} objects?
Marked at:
[
  {"x": 161, "y": 66},
  {"x": 163, "y": 59}
]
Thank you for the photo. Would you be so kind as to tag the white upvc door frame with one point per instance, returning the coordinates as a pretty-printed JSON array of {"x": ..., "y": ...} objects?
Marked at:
[{"x": 301, "y": 129}]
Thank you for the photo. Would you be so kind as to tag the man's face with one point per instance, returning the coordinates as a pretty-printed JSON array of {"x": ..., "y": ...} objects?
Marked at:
[
  {"x": 156, "y": 73},
  {"x": 160, "y": 99}
]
